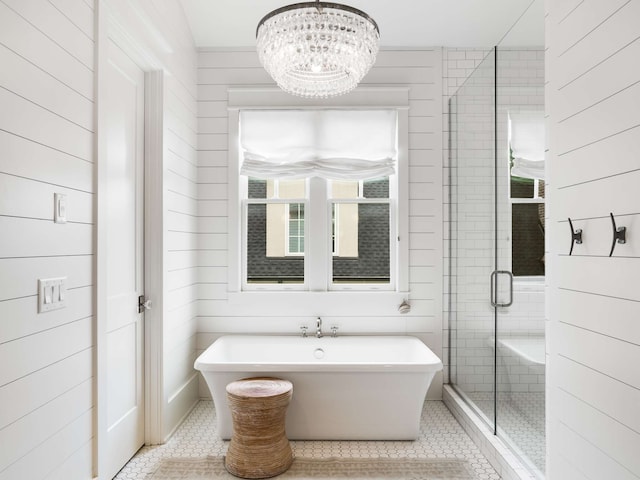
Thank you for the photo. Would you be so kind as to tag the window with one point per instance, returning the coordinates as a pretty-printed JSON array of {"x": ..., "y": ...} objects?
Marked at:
[
  {"x": 295, "y": 232},
  {"x": 309, "y": 222},
  {"x": 527, "y": 227},
  {"x": 275, "y": 231},
  {"x": 357, "y": 237},
  {"x": 362, "y": 253},
  {"x": 526, "y": 139}
]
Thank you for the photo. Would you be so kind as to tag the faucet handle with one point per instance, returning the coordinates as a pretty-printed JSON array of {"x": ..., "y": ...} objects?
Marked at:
[
  {"x": 304, "y": 329},
  {"x": 334, "y": 330}
]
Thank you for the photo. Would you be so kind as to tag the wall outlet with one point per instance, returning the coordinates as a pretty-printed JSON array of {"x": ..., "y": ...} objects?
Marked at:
[{"x": 52, "y": 294}]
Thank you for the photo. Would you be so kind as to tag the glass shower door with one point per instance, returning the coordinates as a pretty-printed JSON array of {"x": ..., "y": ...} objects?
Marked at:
[{"x": 497, "y": 236}]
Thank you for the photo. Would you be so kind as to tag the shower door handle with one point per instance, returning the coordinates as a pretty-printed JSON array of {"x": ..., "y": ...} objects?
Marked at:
[{"x": 494, "y": 285}]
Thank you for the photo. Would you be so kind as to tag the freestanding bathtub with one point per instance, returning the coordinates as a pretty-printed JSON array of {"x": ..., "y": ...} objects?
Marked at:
[{"x": 344, "y": 388}]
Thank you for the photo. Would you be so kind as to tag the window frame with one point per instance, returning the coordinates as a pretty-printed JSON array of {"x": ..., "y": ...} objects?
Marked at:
[
  {"x": 315, "y": 296},
  {"x": 335, "y": 228},
  {"x": 318, "y": 237},
  {"x": 393, "y": 234}
]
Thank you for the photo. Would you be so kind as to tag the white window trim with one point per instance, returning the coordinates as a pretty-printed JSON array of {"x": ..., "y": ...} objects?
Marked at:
[
  {"x": 535, "y": 199},
  {"x": 362, "y": 98},
  {"x": 335, "y": 228}
]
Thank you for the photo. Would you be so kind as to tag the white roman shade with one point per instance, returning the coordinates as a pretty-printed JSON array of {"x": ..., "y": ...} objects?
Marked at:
[
  {"x": 334, "y": 144},
  {"x": 527, "y": 144}
]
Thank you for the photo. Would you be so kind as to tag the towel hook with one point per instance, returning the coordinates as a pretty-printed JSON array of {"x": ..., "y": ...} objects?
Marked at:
[
  {"x": 576, "y": 237},
  {"x": 619, "y": 234}
]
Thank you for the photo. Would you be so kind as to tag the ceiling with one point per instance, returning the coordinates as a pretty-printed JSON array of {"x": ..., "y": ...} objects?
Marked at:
[{"x": 403, "y": 23}]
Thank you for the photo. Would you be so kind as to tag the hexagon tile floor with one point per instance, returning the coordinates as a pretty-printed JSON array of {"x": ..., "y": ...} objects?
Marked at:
[{"x": 441, "y": 436}]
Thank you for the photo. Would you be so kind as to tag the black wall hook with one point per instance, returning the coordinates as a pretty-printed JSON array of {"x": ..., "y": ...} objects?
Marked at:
[
  {"x": 576, "y": 237},
  {"x": 619, "y": 234}
]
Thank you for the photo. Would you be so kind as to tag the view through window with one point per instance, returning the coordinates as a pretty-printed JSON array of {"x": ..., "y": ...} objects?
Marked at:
[
  {"x": 527, "y": 227},
  {"x": 357, "y": 233}
]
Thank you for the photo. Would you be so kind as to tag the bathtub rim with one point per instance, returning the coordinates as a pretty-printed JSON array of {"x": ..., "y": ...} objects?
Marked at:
[{"x": 430, "y": 364}]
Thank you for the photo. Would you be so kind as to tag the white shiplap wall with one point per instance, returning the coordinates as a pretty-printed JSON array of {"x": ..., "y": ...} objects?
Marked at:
[
  {"x": 421, "y": 71},
  {"x": 46, "y": 146},
  {"x": 160, "y": 30},
  {"x": 593, "y": 107},
  {"x": 47, "y": 136}
]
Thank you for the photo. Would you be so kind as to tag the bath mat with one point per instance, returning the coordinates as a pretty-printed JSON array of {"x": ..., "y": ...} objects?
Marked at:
[{"x": 212, "y": 468}]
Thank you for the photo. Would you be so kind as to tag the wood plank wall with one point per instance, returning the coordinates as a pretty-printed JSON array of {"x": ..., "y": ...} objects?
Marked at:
[
  {"x": 47, "y": 136},
  {"x": 421, "y": 71},
  {"x": 46, "y": 146},
  {"x": 161, "y": 29},
  {"x": 593, "y": 108}
]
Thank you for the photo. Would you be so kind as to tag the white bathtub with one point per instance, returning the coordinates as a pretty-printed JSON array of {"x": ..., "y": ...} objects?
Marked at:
[
  {"x": 344, "y": 388},
  {"x": 530, "y": 349}
]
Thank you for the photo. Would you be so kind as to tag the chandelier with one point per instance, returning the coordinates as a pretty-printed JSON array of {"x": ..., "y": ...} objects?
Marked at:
[{"x": 317, "y": 49}]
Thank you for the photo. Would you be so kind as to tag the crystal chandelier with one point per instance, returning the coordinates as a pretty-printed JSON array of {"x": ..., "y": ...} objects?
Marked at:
[{"x": 317, "y": 49}]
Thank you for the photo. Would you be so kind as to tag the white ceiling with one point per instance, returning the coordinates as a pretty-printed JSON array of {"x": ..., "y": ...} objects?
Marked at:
[{"x": 403, "y": 23}]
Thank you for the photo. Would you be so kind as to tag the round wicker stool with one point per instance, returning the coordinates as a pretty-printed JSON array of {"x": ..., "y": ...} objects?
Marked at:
[{"x": 259, "y": 447}]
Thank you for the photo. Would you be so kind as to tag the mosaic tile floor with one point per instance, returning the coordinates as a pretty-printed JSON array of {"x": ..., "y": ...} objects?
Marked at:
[
  {"x": 522, "y": 418},
  {"x": 441, "y": 437}
]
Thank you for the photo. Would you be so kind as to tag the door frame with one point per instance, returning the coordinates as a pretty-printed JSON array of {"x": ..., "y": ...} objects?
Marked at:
[{"x": 109, "y": 27}]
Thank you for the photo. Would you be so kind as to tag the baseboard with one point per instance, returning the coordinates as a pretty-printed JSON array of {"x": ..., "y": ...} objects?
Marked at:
[{"x": 180, "y": 405}]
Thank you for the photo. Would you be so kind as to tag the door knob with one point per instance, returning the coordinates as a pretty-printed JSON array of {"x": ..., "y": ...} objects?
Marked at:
[{"x": 144, "y": 304}]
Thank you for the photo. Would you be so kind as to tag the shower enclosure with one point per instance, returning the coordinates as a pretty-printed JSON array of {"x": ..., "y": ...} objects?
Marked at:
[{"x": 497, "y": 237}]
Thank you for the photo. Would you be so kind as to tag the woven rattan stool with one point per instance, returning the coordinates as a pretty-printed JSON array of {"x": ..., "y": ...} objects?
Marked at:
[{"x": 259, "y": 447}]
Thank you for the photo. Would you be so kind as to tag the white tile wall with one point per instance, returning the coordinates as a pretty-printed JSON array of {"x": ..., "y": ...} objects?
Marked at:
[
  {"x": 470, "y": 173},
  {"x": 520, "y": 88},
  {"x": 457, "y": 65}
]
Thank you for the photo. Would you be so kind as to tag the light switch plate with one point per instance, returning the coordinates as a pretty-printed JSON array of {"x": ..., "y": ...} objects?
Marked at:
[
  {"x": 52, "y": 294},
  {"x": 60, "y": 207}
]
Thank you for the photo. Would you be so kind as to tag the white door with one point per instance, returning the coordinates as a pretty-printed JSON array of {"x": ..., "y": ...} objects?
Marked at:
[{"x": 125, "y": 262}]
